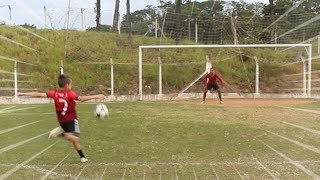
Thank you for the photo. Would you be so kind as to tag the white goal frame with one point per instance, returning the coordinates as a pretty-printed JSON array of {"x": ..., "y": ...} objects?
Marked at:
[{"x": 308, "y": 48}]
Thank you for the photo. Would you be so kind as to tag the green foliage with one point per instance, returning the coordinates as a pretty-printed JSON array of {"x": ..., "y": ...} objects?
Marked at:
[
  {"x": 78, "y": 51},
  {"x": 103, "y": 28},
  {"x": 30, "y": 26}
]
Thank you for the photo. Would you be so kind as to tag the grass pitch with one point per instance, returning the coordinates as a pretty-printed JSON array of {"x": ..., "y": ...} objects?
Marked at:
[{"x": 241, "y": 139}]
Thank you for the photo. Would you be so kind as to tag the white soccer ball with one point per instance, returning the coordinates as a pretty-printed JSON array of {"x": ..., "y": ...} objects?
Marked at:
[
  {"x": 58, "y": 131},
  {"x": 101, "y": 111}
]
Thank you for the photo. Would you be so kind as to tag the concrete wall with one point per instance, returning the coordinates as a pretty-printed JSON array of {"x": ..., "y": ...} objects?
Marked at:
[{"x": 157, "y": 97}]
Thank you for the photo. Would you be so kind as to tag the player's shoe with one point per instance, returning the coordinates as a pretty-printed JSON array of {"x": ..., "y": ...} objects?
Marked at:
[
  {"x": 202, "y": 102},
  {"x": 83, "y": 159},
  {"x": 221, "y": 102},
  {"x": 56, "y": 132}
]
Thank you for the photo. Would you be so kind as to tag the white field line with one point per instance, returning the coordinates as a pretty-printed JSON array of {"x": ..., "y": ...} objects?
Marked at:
[
  {"x": 41, "y": 170},
  {"x": 299, "y": 109},
  {"x": 125, "y": 164},
  {"x": 295, "y": 163},
  {"x": 51, "y": 170},
  {"x": 237, "y": 171},
  {"x": 7, "y": 108},
  {"x": 81, "y": 172},
  {"x": 103, "y": 173},
  {"x": 175, "y": 170},
  {"x": 19, "y": 143},
  {"x": 214, "y": 171},
  {"x": 124, "y": 173},
  {"x": 301, "y": 127},
  {"x": 252, "y": 163},
  {"x": 17, "y": 127},
  {"x": 311, "y": 148},
  {"x": 69, "y": 176},
  {"x": 194, "y": 173},
  {"x": 13, "y": 110},
  {"x": 266, "y": 169},
  {"x": 13, "y": 170},
  {"x": 24, "y": 114}
]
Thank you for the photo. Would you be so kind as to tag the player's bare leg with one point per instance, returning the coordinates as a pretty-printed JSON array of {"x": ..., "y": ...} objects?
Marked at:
[
  {"x": 204, "y": 96},
  {"x": 76, "y": 144},
  {"x": 220, "y": 96}
]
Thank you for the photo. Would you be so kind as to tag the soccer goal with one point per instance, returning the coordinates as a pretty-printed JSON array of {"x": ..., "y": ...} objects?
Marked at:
[{"x": 277, "y": 70}]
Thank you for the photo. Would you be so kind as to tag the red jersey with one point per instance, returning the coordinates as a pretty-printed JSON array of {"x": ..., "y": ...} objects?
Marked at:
[
  {"x": 65, "y": 104},
  {"x": 212, "y": 79}
]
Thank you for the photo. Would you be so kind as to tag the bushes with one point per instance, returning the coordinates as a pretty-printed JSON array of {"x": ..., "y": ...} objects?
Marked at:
[{"x": 180, "y": 67}]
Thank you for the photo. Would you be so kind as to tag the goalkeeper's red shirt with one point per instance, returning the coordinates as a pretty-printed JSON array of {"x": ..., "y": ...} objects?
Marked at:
[
  {"x": 65, "y": 104},
  {"x": 212, "y": 79}
]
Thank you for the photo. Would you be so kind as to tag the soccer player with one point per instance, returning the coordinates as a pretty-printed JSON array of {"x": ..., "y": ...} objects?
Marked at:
[
  {"x": 64, "y": 100},
  {"x": 210, "y": 82}
]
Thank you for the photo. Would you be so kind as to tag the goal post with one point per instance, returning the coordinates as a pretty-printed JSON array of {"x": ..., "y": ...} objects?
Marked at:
[{"x": 308, "y": 48}]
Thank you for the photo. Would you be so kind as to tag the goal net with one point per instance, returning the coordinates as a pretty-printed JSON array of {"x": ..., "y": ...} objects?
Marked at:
[{"x": 260, "y": 70}]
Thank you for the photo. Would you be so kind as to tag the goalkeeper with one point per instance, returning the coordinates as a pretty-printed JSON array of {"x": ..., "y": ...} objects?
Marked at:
[{"x": 210, "y": 82}]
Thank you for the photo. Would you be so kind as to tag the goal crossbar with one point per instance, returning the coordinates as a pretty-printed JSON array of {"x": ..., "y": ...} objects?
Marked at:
[{"x": 308, "y": 48}]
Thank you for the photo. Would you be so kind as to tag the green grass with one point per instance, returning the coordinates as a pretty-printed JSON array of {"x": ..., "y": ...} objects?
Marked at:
[{"x": 166, "y": 140}]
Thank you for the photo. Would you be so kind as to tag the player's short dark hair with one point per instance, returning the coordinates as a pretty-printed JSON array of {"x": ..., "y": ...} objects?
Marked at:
[
  {"x": 63, "y": 80},
  {"x": 211, "y": 68}
]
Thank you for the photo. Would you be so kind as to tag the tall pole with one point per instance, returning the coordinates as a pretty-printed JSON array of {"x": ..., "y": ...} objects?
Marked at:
[
  {"x": 140, "y": 73},
  {"x": 68, "y": 16},
  {"x": 234, "y": 30},
  {"x": 112, "y": 78},
  {"x": 15, "y": 80},
  {"x": 119, "y": 25},
  {"x": 98, "y": 15},
  {"x": 275, "y": 38},
  {"x": 189, "y": 27},
  {"x": 10, "y": 15},
  {"x": 45, "y": 16},
  {"x": 309, "y": 70},
  {"x": 304, "y": 76},
  {"x": 257, "y": 76},
  {"x": 160, "y": 75},
  {"x": 196, "y": 30},
  {"x": 163, "y": 23},
  {"x": 61, "y": 68},
  {"x": 156, "y": 29},
  {"x": 128, "y": 19},
  {"x": 319, "y": 43},
  {"x": 82, "y": 19}
]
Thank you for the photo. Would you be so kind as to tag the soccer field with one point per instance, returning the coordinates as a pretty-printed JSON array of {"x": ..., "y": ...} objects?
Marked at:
[{"x": 241, "y": 139}]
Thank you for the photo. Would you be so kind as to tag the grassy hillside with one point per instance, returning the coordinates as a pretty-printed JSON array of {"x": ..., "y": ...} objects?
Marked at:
[{"x": 78, "y": 49}]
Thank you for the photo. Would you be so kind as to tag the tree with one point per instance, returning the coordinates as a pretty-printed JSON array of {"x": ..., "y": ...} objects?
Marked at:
[
  {"x": 272, "y": 19},
  {"x": 29, "y": 26},
  {"x": 142, "y": 21},
  {"x": 128, "y": 18},
  {"x": 116, "y": 16},
  {"x": 98, "y": 15},
  {"x": 178, "y": 21},
  {"x": 103, "y": 28}
]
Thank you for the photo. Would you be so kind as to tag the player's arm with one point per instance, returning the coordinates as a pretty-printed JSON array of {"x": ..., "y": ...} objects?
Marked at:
[
  {"x": 87, "y": 98},
  {"x": 33, "y": 94},
  {"x": 205, "y": 81},
  {"x": 220, "y": 79}
]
